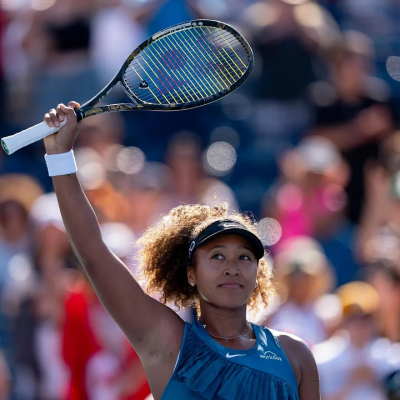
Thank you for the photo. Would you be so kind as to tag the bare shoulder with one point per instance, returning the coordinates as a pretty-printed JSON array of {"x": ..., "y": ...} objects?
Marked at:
[
  {"x": 303, "y": 363},
  {"x": 297, "y": 351},
  {"x": 293, "y": 344}
]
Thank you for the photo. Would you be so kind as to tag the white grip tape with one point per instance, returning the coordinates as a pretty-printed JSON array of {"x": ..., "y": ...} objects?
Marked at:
[{"x": 15, "y": 142}]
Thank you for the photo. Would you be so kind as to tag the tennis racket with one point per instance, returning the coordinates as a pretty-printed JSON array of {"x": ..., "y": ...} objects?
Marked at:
[{"x": 185, "y": 66}]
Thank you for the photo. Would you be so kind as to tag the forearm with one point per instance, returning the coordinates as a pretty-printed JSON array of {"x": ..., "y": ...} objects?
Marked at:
[{"x": 79, "y": 218}]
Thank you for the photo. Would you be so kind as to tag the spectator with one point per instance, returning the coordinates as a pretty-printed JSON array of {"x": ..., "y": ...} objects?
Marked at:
[
  {"x": 353, "y": 363},
  {"x": 304, "y": 274},
  {"x": 58, "y": 46},
  {"x": 17, "y": 194},
  {"x": 384, "y": 276},
  {"x": 355, "y": 114},
  {"x": 378, "y": 235},
  {"x": 309, "y": 199}
]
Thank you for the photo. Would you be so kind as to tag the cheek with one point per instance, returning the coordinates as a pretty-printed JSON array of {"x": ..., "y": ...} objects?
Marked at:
[
  {"x": 250, "y": 273},
  {"x": 206, "y": 275}
]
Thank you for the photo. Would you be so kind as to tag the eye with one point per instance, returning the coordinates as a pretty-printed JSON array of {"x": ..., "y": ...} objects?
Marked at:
[
  {"x": 245, "y": 257},
  {"x": 218, "y": 257}
]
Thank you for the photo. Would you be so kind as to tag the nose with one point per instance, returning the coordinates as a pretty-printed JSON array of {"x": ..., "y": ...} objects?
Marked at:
[{"x": 232, "y": 270}]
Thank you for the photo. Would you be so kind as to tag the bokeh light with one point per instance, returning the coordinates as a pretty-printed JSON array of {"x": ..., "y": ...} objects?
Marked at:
[
  {"x": 19, "y": 267},
  {"x": 130, "y": 160},
  {"x": 393, "y": 67},
  {"x": 221, "y": 157},
  {"x": 110, "y": 157},
  {"x": 41, "y": 5},
  {"x": 215, "y": 190},
  {"x": 269, "y": 230},
  {"x": 261, "y": 14},
  {"x": 90, "y": 168},
  {"x": 329, "y": 309}
]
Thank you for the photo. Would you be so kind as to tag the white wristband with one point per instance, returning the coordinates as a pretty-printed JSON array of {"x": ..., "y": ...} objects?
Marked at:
[{"x": 61, "y": 164}]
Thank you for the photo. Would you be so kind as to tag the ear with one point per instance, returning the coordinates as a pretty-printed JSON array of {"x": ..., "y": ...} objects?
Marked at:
[{"x": 190, "y": 275}]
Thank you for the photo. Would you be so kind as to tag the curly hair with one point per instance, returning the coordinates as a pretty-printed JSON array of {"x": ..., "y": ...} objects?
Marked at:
[{"x": 163, "y": 254}]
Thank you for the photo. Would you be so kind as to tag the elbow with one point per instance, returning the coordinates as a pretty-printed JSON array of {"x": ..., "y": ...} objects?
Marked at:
[{"x": 89, "y": 256}]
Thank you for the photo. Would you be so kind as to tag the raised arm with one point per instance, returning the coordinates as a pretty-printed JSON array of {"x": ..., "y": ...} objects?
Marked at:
[{"x": 152, "y": 328}]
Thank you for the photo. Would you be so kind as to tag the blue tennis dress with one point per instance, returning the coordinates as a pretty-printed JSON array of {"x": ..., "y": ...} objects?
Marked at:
[{"x": 208, "y": 370}]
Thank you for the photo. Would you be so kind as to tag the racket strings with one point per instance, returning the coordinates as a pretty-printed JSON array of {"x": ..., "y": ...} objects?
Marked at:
[
  {"x": 207, "y": 61},
  {"x": 200, "y": 66},
  {"x": 187, "y": 65},
  {"x": 192, "y": 71},
  {"x": 208, "y": 89}
]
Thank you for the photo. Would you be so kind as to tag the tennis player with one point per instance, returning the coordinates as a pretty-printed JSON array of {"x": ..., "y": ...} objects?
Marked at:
[{"x": 195, "y": 254}]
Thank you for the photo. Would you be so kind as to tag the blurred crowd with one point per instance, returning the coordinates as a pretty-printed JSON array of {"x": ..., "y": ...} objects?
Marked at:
[{"x": 310, "y": 145}]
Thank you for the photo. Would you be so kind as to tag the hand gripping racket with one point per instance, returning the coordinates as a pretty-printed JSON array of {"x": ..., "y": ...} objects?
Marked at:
[{"x": 185, "y": 66}]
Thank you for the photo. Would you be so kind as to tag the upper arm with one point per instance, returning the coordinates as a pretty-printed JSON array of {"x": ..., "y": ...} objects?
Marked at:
[
  {"x": 309, "y": 383},
  {"x": 303, "y": 364},
  {"x": 150, "y": 326}
]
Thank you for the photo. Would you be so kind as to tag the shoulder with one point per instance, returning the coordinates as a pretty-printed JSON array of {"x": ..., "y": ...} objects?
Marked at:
[
  {"x": 292, "y": 343},
  {"x": 297, "y": 351},
  {"x": 304, "y": 366}
]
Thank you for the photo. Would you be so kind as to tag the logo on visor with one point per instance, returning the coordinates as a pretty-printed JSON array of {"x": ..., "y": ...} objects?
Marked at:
[
  {"x": 230, "y": 224},
  {"x": 191, "y": 248}
]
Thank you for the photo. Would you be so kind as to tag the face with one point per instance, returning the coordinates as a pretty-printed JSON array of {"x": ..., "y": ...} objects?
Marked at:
[
  {"x": 361, "y": 328},
  {"x": 300, "y": 287},
  {"x": 225, "y": 271}
]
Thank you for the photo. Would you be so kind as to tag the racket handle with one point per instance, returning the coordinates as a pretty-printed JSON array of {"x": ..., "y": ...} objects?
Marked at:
[{"x": 15, "y": 142}]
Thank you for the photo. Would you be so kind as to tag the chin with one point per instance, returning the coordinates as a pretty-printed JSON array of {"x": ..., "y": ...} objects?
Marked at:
[{"x": 230, "y": 303}]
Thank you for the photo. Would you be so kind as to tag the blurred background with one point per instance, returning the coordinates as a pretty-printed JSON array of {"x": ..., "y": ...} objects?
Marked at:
[{"x": 310, "y": 145}]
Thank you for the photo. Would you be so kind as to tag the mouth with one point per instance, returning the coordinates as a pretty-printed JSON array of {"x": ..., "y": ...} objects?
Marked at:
[{"x": 231, "y": 285}]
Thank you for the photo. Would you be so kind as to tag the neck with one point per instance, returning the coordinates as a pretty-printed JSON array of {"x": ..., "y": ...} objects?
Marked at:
[{"x": 224, "y": 322}]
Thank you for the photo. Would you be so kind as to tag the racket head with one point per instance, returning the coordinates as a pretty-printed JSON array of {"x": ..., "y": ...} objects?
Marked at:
[{"x": 187, "y": 65}]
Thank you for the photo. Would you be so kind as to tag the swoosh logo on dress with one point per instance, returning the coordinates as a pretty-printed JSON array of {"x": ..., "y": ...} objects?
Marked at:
[{"x": 234, "y": 355}]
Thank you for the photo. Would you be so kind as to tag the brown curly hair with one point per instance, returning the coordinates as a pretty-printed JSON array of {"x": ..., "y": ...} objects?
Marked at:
[{"x": 163, "y": 254}]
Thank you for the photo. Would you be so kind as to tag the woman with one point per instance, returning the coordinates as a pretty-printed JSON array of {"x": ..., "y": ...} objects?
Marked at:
[{"x": 196, "y": 253}]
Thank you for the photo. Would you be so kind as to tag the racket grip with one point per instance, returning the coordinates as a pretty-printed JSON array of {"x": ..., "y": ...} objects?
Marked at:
[{"x": 15, "y": 142}]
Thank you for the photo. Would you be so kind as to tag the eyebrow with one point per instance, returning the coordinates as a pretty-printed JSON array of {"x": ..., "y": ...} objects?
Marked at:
[{"x": 222, "y": 246}]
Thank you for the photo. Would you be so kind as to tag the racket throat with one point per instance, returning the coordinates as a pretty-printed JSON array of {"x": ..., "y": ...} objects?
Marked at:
[{"x": 81, "y": 113}]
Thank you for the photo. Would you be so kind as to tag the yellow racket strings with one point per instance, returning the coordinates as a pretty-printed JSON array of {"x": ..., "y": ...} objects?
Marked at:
[{"x": 187, "y": 66}]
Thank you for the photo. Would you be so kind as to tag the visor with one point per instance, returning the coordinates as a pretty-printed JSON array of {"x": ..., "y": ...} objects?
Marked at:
[{"x": 226, "y": 226}]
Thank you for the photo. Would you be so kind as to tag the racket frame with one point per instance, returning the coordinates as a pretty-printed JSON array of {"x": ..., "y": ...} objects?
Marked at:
[{"x": 89, "y": 109}]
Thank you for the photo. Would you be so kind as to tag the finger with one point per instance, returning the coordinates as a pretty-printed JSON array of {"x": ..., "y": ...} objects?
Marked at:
[
  {"x": 74, "y": 105},
  {"x": 60, "y": 113},
  {"x": 69, "y": 112},
  {"x": 54, "y": 117},
  {"x": 48, "y": 120}
]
